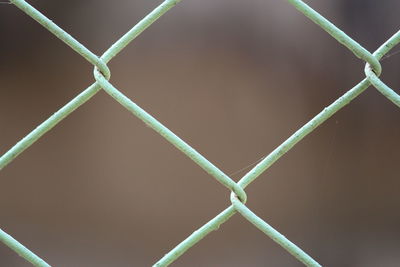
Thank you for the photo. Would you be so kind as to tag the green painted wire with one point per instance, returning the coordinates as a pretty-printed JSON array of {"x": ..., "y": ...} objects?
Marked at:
[
  {"x": 381, "y": 86},
  {"x": 90, "y": 91},
  {"x": 294, "y": 250},
  {"x": 80, "y": 99},
  {"x": 47, "y": 125},
  {"x": 21, "y": 250},
  {"x": 373, "y": 68},
  {"x": 170, "y": 136},
  {"x": 338, "y": 34},
  {"x": 114, "y": 49},
  {"x": 373, "y": 78},
  {"x": 272, "y": 233},
  {"x": 138, "y": 29},
  {"x": 32, "y": 137},
  {"x": 320, "y": 118},
  {"x": 248, "y": 178},
  {"x": 215, "y": 223},
  {"x": 61, "y": 34},
  {"x": 195, "y": 237},
  {"x": 325, "y": 114}
]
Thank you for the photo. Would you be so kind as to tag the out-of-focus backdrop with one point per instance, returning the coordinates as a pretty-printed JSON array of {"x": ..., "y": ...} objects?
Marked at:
[{"x": 232, "y": 78}]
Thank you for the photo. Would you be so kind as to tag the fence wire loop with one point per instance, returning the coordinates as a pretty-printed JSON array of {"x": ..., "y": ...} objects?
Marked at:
[
  {"x": 381, "y": 86},
  {"x": 238, "y": 196}
]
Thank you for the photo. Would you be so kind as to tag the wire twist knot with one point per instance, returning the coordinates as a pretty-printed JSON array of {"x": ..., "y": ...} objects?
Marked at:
[
  {"x": 101, "y": 68},
  {"x": 239, "y": 194}
]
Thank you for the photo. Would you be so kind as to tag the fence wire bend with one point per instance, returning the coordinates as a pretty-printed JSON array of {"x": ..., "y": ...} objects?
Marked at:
[{"x": 238, "y": 197}]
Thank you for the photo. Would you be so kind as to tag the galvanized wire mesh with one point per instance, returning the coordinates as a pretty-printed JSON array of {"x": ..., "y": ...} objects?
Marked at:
[{"x": 238, "y": 196}]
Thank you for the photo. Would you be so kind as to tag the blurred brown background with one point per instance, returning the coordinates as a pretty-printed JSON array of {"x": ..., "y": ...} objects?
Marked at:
[{"x": 232, "y": 78}]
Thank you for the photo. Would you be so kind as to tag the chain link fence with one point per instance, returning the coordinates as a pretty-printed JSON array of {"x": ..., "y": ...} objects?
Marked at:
[{"x": 238, "y": 196}]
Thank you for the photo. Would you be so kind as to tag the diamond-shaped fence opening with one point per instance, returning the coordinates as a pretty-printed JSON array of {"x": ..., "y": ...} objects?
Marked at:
[{"x": 238, "y": 197}]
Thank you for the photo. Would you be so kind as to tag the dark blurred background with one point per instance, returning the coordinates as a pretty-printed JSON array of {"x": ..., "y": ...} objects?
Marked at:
[{"x": 232, "y": 78}]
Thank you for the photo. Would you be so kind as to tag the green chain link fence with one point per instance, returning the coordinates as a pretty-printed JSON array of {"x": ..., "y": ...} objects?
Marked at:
[{"x": 238, "y": 196}]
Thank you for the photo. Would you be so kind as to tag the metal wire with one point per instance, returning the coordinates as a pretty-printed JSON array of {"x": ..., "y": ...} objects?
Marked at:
[{"x": 238, "y": 196}]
